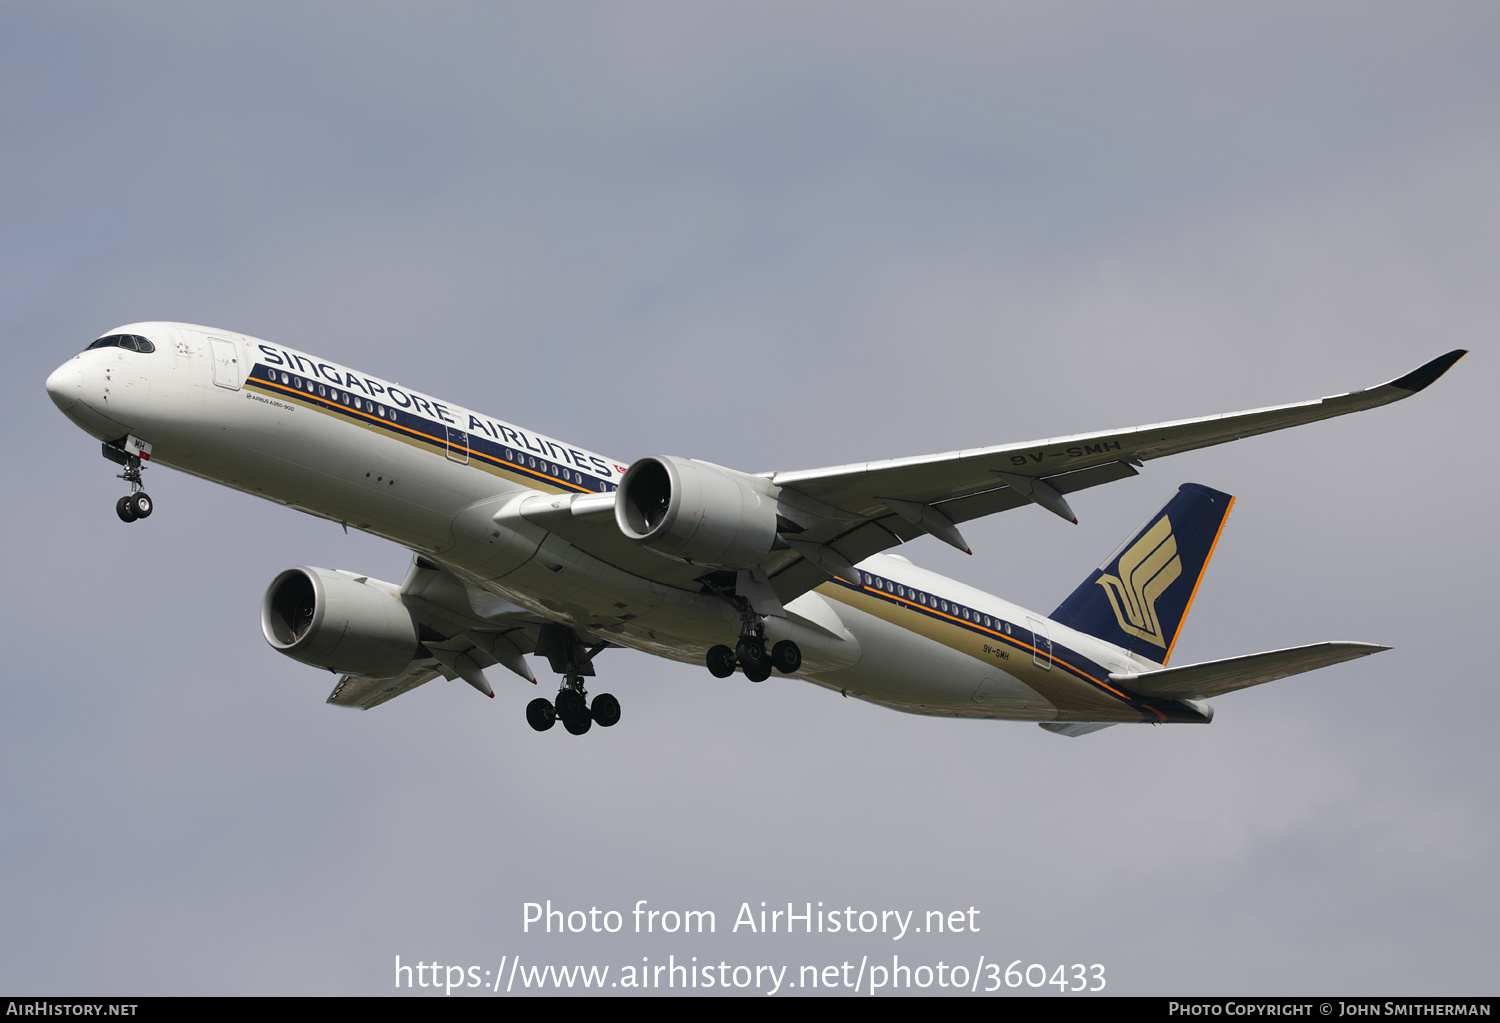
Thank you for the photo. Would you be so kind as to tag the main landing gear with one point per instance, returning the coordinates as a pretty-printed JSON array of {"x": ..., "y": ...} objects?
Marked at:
[
  {"x": 138, "y": 504},
  {"x": 564, "y": 649},
  {"x": 573, "y": 708},
  {"x": 750, "y": 653}
]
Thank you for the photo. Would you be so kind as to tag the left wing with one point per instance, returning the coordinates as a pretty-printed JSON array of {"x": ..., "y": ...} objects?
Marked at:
[{"x": 858, "y": 510}]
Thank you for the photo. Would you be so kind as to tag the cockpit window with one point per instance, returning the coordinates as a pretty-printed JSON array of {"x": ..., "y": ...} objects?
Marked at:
[{"x": 130, "y": 342}]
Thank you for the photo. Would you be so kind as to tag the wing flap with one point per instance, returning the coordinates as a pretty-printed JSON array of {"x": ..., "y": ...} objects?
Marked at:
[
  {"x": 363, "y": 693},
  {"x": 1005, "y": 498},
  {"x": 1215, "y": 678},
  {"x": 1073, "y": 729}
]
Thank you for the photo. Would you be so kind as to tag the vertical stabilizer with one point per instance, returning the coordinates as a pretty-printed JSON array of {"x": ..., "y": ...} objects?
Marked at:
[{"x": 1139, "y": 597}]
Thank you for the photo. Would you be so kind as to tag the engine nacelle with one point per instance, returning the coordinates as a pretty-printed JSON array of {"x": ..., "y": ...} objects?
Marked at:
[
  {"x": 696, "y": 512},
  {"x": 350, "y": 624}
]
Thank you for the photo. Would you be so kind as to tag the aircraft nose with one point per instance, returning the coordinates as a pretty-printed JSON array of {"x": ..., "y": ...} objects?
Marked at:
[{"x": 65, "y": 385}]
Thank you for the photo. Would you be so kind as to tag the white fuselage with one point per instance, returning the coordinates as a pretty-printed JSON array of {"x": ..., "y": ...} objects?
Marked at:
[{"x": 432, "y": 476}]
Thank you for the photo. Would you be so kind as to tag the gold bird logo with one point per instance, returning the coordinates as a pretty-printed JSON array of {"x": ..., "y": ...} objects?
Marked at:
[{"x": 1146, "y": 569}]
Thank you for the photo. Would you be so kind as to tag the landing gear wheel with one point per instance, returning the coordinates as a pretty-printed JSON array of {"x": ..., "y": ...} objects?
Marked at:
[
  {"x": 750, "y": 650},
  {"x": 578, "y": 725},
  {"x": 605, "y": 710},
  {"x": 786, "y": 657},
  {"x": 570, "y": 707},
  {"x": 721, "y": 661},
  {"x": 757, "y": 672},
  {"x": 141, "y": 504},
  {"x": 124, "y": 509},
  {"x": 540, "y": 714}
]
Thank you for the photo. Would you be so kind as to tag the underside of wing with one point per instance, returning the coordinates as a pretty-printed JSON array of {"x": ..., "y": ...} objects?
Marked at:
[{"x": 1215, "y": 678}]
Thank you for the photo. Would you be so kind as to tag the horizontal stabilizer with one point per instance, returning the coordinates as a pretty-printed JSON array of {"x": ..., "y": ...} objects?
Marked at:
[{"x": 1215, "y": 678}]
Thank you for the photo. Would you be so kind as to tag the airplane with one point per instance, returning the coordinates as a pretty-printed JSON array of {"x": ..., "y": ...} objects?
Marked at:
[{"x": 523, "y": 544}]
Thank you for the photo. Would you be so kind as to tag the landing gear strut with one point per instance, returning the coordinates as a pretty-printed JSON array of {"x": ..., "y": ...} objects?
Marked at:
[{"x": 138, "y": 504}]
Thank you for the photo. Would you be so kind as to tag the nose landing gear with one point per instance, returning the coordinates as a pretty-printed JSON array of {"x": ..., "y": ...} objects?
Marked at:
[{"x": 138, "y": 504}]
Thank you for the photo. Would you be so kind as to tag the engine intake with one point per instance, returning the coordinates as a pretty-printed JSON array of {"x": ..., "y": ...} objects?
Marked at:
[
  {"x": 696, "y": 512},
  {"x": 353, "y": 625}
]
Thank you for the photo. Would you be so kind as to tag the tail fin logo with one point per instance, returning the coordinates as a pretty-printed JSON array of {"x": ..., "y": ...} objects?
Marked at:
[{"x": 1146, "y": 569}]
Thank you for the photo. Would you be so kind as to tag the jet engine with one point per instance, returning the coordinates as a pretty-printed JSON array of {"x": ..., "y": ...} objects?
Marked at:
[
  {"x": 347, "y": 623},
  {"x": 696, "y": 512}
]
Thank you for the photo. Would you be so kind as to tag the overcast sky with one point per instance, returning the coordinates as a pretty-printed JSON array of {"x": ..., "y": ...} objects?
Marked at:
[{"x": 771, "y": 236}]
